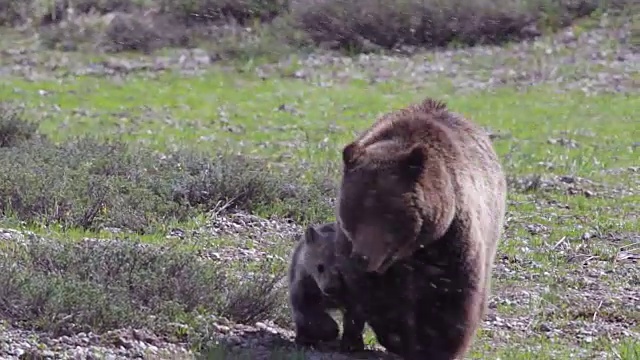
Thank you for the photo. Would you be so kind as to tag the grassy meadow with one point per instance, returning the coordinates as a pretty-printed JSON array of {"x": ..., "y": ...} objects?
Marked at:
[{"x": 120, "y": 180}]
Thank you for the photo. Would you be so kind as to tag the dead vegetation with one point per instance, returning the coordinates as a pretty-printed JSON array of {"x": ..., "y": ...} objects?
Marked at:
[{"x": 352, "y": 26}]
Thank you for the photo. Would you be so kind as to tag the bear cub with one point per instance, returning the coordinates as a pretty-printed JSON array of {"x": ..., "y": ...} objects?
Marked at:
[{"x": 316, "y": 277}]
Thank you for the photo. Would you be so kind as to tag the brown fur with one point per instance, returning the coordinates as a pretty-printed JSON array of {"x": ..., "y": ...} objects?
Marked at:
[
  {"x": 423, "y": 187},
  {"x": 316, "y": 285}
]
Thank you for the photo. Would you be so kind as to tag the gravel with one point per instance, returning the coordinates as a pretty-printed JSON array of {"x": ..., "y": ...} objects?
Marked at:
[
  {"x": 257, "y": 341},
  {"x": 117, "y": 344}
]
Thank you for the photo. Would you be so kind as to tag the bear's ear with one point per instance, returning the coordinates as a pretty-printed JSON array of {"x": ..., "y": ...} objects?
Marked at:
[
  {"x": 351, "y": 153},
  {"x": 414, "y": 161},
  {"x": 310, "y": 235}
]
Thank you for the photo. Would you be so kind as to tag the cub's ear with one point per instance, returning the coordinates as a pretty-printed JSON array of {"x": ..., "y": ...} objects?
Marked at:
[
  {"x": 351, "y": 153},
  {"x": 310, "y": 235},
  {"x": 414, "y": 161}
]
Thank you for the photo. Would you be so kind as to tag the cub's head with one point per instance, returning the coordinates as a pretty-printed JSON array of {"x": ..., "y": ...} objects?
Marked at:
[
  {"x": 380, "y": 202},
  {"x": 318, "y": 257}
]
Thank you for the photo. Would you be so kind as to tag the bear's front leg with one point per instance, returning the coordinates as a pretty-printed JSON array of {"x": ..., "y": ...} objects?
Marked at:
[
  {"x": 353, "y": 327},
  {"x": 409, "y": 338}
]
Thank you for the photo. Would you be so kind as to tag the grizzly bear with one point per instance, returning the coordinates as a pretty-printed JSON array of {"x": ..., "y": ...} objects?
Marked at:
[
  {"x": 317, "y": 285},
  {"x": 423, "y": 188}
]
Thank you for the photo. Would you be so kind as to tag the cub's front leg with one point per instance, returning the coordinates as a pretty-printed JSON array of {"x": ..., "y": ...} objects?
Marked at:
[
  {"x": 314, "y": 328},
  {"x": 312, "y": 322}
]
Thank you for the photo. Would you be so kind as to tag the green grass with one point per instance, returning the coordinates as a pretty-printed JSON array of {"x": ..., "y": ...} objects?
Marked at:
[
  {"x": 234, "y": 110},
  {"x": 571, "y": 279}
]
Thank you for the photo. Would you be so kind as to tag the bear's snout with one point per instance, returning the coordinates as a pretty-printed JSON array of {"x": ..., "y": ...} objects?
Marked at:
[{"x": 373, "y": 249}]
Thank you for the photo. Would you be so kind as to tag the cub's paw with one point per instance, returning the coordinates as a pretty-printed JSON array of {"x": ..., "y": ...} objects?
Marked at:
[
  {"x": 351, "y": 345},
  {"x": 303, "y": 340},
  {"x": 317, "y": 332}
]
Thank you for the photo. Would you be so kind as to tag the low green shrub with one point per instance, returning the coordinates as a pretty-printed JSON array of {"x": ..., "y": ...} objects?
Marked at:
[
  {"x": 99, "y": 286},
  {"x": 92, "y": 184}
]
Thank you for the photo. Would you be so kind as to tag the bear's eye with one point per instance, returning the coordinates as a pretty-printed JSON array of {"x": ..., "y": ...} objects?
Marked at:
[{"x": 320, "y": 268}]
